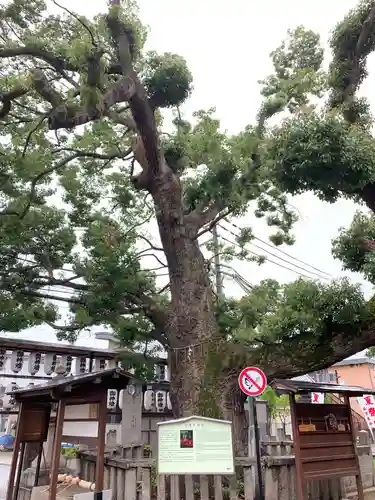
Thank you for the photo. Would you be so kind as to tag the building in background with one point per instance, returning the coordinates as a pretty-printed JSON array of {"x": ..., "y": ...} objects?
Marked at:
[{"x": 355, "y": 371}]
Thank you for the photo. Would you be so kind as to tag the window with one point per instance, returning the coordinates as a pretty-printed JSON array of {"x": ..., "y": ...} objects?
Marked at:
[{"x": 333, "y": 377}]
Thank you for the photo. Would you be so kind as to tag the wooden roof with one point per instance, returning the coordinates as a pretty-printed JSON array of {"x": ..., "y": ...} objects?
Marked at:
[
  {"x": 47, "y": 347},
  {"x": 113, "y": 378},
  {"x": 301, "y": 386}
]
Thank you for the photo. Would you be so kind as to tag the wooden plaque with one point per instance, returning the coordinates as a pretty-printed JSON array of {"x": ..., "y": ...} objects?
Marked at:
[
  {"x": 34, "y": 424},
  {"x": 327, "y": 450}
]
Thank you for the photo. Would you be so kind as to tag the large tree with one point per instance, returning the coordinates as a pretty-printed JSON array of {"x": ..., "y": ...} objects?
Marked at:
[{"x": 85, "y": 162}]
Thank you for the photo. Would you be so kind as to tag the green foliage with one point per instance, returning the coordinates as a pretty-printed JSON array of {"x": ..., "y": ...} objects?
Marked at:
[
  {"x": 73, "y": 225},
  {"x": 69, "y": 453},
  {"x": 321, "y": 153},
  {"x": 167, "y": 79},
  {"x": 329, "y": 151},
  {"x": 350, "y": 50},
  {"x": 350, "y": 247},
  {"x": 79, "y": 228},
  {"x": 298, "y": 75},
  {"x": 275, "y": 314},
  {"x": 278, "y": 406}
]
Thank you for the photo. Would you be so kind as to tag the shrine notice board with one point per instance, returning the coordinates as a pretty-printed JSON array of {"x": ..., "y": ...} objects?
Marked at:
[
  {"x": 325, "y": 441},
  {"x": 195, "y": 445}
]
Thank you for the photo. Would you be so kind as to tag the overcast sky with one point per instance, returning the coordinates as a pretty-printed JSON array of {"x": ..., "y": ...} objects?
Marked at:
[{"x": 227, "y": 46}]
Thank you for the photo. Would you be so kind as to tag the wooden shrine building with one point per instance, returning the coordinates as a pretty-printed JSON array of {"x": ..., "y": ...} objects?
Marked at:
[
  {"x": 323, "y": 434},
  {"x": 83, "y": 397}
]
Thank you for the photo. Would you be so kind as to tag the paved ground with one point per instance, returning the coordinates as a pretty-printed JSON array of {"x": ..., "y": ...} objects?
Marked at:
[
  {"x": 4, "y": 471},
  {"x": 5, "y": 460}
]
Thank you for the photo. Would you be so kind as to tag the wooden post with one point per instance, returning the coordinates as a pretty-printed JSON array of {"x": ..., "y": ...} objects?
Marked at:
[
  {"x": 297, "y": 451},
  {"x": 16, "y": 450},
  {"x": 358, "y": 476},
  {"x": 56, "y": 449},
  {"x": 19, "y": 470},
  {"x": 102, "y": 423}
]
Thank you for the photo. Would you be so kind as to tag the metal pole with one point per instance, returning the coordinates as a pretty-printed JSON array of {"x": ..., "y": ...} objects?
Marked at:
[
  {"x": 218, "y": 275},
  {"x": 259, "y": 494},
  {"x": 250, "y": 433}
]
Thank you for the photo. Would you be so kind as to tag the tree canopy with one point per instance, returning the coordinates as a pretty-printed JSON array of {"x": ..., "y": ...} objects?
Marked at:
[{"x": 87, "y": 164}]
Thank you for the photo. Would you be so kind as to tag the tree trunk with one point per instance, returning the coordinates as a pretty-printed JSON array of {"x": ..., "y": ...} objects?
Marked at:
[
  {"x": 200, "y": 386},
  {"x": 233, "y": 405},
  {"x": 200, "y": 383}
]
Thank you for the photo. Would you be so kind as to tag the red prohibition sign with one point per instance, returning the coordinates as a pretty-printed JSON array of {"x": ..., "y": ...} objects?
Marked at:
[{"x": 252, "y": 381}]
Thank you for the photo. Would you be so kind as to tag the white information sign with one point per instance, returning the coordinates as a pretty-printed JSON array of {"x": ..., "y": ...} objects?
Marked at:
[
  {"x": 367, "y": 404},
  {"x": 317, "y": 398},
  {"x": 195, "y": 445}
]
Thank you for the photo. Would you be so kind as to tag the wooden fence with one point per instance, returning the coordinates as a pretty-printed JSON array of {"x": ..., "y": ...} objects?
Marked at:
[
  {"x": 136, "y": 479},
  {"x": 131, "y": 476}
]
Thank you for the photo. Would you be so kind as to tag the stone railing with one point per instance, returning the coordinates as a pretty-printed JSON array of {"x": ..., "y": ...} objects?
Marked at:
[{"x": 24, "y": 363}]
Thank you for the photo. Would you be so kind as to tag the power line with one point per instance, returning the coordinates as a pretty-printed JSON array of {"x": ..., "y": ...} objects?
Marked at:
[
  {"x": 23, "y": 259},
  {"x": 272, "y": 261},
  {"x": 238, "y": 276},
  {"x": 277, "y": 257},
  {"x": 282, "y": 251}
]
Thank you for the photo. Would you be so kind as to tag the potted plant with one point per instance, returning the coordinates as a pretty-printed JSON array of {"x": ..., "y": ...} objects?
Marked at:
[{"x": 70, "y": 454}]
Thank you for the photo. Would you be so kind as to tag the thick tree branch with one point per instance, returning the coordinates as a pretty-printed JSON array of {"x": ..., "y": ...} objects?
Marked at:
[
  {"x": 128, "y": 88},
  {"x": 34, "y": 293},
  {"x": 142, "y": 112},
  {"x": 66, "y": 284},
  {"x": 367, "y": 193},
  {"x": 369, "y": 245},
  {"x": 7, "y": 98},
  {"x": 280, "y": 360},
  {"x": 156, "y": 313},
  {"x": 208, "y": 216},
  {"x": 57, "y": 62},
  {"x": 64, "y": 117},
  {"x": 355, "y": 58}
]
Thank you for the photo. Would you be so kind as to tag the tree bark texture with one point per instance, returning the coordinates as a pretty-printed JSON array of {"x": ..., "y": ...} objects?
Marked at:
[{"x": 199, "y": 379}]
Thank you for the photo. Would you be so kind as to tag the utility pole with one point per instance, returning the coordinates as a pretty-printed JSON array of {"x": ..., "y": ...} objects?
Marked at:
[
  {"x": 253, "y": 429},
  {"x": 218, "y": 274}
]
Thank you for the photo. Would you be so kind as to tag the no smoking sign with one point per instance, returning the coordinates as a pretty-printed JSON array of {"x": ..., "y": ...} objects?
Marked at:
[{"x": 252, "y": 381}]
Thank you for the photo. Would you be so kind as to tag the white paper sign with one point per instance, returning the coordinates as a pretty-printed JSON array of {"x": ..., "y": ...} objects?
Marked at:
[
  {"x": 195, "y": 445},
  {"x": 367, "y": 404},
  {"x": 317, "y": 398}
]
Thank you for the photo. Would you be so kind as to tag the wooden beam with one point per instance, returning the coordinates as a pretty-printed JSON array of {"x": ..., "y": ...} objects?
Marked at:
[
  {"x": 56, "y": 449},
  {"x": 358, "y": 476},
  {"x": 102, "y": 424},
  {"x": 297, "y": 449},
  {"x": 16, "y": 450}
]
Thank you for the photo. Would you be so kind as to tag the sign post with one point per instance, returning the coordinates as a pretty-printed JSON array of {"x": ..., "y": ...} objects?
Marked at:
[{"x": 253, "y": 382}]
